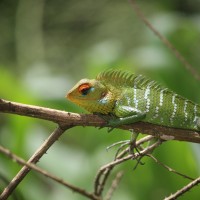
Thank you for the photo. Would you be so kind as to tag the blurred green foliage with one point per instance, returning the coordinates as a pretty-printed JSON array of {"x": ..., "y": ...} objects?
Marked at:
[{"x": 46, "y": 46}]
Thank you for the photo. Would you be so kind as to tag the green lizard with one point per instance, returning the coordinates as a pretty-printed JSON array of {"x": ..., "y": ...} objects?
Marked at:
[{"x": 130, "y": 98}]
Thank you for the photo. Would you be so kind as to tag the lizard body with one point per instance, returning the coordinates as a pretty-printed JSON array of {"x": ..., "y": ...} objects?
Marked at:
[{"x": 130, "y": 98}]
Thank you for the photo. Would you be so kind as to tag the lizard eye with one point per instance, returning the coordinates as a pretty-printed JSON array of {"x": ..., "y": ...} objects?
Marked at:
[{"x": 84, "y": 89}]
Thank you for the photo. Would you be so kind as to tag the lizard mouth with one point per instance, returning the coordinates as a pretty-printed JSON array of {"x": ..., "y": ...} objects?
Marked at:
[{"x": 68, "y": 96}]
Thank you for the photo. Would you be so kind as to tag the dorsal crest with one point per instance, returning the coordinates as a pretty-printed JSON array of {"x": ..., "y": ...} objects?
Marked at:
[{"x": 124, "y": 78}]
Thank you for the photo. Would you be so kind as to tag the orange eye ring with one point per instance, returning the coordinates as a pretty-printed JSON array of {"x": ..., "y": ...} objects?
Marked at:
[{"x": 84, "y": 88}]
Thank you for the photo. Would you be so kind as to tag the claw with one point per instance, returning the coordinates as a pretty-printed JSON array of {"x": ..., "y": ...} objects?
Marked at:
[
  {"x": 122, "y": 145},
  {"x": 138, "y": 162},
  {"x": 117, "y": 143},
  {"x": 132, "y": 147},
  {"x": 110, "y": 129},
  {"x": 108, "y": 119}
]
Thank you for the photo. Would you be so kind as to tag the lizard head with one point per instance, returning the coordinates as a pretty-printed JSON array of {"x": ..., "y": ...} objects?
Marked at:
[{"x": 92, "y": 95}]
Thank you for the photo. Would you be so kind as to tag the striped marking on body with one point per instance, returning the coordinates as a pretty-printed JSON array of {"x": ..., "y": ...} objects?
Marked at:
[
  {"x": 146, "y": 96},
  {"x": 162, "y": 96},
  {"x": 135, "y": 95},
  {"x": 161, "y": 102},
  {"x": 196, "y": 118},
  {"x": 128, "y": 99},
  {"x": 156, "y": 113},
  {"x": 175, "y": 108},
  {"x": 195, "y": 112},
  {"x": 185, "y": 110}
]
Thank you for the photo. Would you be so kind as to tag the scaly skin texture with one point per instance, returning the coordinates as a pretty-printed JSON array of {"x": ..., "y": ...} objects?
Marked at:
[{"x": 129, "y": 98}]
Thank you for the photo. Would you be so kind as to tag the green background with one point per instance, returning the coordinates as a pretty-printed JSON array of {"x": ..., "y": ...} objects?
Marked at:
[{"x": 47, "y": 46}]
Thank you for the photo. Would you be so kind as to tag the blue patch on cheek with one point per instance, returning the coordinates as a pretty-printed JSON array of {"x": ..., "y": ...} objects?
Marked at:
[
  {"x": 92, "y": 89},
  {"x": 103, "y": 101}
]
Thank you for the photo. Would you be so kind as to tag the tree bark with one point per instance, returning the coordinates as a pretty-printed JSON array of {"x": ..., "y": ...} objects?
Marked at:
[{"x": 74, "y": 119}]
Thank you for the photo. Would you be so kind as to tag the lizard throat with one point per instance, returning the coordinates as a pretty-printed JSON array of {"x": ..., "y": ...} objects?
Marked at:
[{"x": 104, "y": 105}]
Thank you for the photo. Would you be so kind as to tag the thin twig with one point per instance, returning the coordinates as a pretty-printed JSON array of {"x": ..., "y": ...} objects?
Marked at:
[
  {"x": 100, "y": 184},
  {"x": 169, "y": 168},
  {"x": 103, "y": 170},
  {"x": 114, "y": 185},
  {"x": 34, "y": 159},
  {"x": 178, "y": 55},
  {"x": 184, "y": 189},
  {"x": 74, "y": 119},
  {"x": 45, "y": 173}
]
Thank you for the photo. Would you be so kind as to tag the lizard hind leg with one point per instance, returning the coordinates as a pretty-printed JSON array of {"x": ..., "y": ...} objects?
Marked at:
[{"x": 128, "y": 147}]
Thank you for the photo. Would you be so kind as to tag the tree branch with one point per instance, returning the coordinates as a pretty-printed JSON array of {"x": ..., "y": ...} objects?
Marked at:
[
  {"x": 105, "y": 170},
  {"x": 47, "y": 174},
  {"x": 169, "y": 168},
  {"x": 67, "y": 120},
  {"x": 184, "y": 189},
  {"x": 34, "y": 159},
  {"x": 165, "y": 41},
  {"x": 73, "y": 119},
  {"x": 114, "y": 185}
]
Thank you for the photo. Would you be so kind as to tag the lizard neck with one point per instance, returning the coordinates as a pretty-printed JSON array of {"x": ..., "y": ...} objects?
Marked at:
[{"x": 104, "y": 105}]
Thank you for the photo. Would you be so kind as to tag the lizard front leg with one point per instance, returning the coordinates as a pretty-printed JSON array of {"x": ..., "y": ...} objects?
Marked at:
[{"x": 126, "y": 115}]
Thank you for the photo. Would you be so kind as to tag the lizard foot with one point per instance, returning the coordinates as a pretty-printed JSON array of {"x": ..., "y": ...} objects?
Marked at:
[
  {"x": 122, "y": 144},
  {"x": 123, "y": 149},
  {"x": 109, "y": 119}
]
